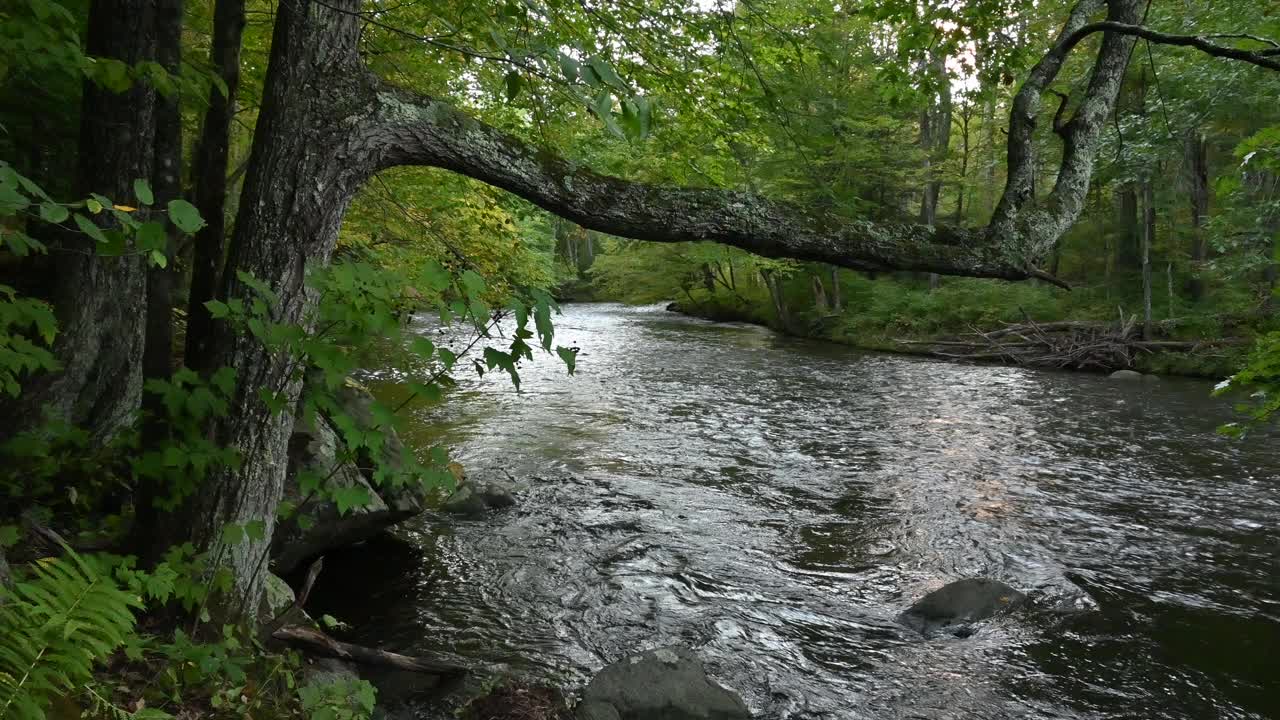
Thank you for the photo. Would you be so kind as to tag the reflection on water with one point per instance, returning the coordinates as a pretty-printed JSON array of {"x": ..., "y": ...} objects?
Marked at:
[{"x": 775, "y": 502}]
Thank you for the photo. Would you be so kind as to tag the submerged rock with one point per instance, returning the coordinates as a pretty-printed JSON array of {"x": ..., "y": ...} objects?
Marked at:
[
  {"x": 954, "y": 607},
  {"x": 320, "y": 526},
  {"x": 664, "y": 684},
  {"x": 1126, "y": 375},
  {"x": 477, "y": 498}
]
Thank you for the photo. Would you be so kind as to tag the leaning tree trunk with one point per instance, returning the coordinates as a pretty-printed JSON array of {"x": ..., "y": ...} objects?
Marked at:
[
  {"x": 308, "y": 159},
  {"x": 99, "y": 300},
  {"x": 211, "y": 179}
]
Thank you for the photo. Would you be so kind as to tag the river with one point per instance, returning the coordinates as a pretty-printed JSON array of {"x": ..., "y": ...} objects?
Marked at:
[{"x": 775, "y": 502}]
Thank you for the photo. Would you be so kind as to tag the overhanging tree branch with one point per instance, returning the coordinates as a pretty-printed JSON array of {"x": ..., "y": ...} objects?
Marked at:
[
  {"x": 413, "y": 129},
  {"x": 1261, "y": 58}
]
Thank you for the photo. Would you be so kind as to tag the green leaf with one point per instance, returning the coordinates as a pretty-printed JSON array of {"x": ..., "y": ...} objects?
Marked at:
[
  {"x": 569, "y": 67},
  {"x": 217, "y": 309},
  {"x": 472, "y": 283},
  {"x": 159, "y": 259},
  {"x": 255, "y": 530},
  {"x": 606, "y": 73},
  {"x": 142, "y": 190},
  {"x": 88, "y": 228},
  {"x": 53, "y": 212},
  {"x": 422, "y": 347},
  {"x": 151, "y": 236},
  {"x": 185, "y": 216},
  {"x": 233, "y": 534},
  {"x": 8, "y": 535},
  {"x": 569, "y": 356},
  {"x": 514, "y": 81}
]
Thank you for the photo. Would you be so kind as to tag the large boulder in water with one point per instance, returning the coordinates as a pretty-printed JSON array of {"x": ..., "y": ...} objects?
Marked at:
[
  {"x": 664, "y": 684},
  {"x": 954, "y": 607},
  {"x": 320, "y": 525},
  {"x": 474, "y": 499}
]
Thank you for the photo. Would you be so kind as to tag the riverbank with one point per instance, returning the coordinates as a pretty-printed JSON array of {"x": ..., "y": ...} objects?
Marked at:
[{"x": 1212, "y": 362}]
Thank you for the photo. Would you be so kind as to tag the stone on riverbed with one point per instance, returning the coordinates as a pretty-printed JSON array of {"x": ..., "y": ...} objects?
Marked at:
[
  {"x": 1126, "y": 375},
  {"x": 664, "y": 684},
  {"x": 954, "y": 607},
  {"x": 476, "y": 498}
]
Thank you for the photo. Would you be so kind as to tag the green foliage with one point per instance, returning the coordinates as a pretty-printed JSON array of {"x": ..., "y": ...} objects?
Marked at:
[
  {"x": 57, "y": 624},
  {"x": 1260, "y": 382},
  {"x": 340, "y": 700},
  {"x": 20, "y": 354}
]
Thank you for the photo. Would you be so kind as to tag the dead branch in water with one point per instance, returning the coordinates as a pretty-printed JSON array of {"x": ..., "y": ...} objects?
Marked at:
[
  {"x": 1065, "y": 344},
  {"x": 314, "y": 641}
]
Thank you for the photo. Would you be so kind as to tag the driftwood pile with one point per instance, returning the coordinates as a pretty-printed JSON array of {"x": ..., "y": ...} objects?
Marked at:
[{"x": 1067, "y": 344}]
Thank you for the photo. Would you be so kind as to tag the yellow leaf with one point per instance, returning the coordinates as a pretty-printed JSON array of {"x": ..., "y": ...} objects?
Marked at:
[
  {"x": 124, "y": 208},
  {"x": 455, "y": 468}
]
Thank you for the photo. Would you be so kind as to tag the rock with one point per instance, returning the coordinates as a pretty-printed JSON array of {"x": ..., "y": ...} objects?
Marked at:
[
  {"x": 476, "y": 498},
  {"x": 596, "y": 711},
  {"x": 1126, "y": 375},
  {"x": 664, "y": 684},
  {"x": 320, "y": 526},
  {"x": 277, "y": 598},
  {"x": 953, "y": 607},
  {"x": 673, "y": 307},
  {"x": 329, "y": 671}
]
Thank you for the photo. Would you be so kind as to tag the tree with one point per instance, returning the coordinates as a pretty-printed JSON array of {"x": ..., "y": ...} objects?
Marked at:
[{"x": 101, "y": 299}]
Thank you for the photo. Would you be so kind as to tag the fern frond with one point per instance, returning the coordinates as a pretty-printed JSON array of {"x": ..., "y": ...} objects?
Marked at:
[{"x": 57, "y": 623}]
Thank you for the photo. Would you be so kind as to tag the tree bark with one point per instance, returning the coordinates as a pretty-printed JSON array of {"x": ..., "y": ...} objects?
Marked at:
[
  {"x": 1197, "y": 167},
  {"x": 309, "y": 157},
  {"x": 157, "y": 357},
  {"x": 211, "y": 180},
  {"x": 819, "y": 294},
  {"x": 935, "y": 138},
  {"x": 1129, "y": 246},
  {"x": 98, "y": 299}
]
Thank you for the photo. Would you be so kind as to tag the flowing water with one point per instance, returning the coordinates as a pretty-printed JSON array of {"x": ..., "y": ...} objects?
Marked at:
[{"x": 775, "y": 502}]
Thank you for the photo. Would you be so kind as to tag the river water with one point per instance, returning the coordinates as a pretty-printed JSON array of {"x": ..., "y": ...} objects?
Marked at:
[{"x": 775, "y": 502}]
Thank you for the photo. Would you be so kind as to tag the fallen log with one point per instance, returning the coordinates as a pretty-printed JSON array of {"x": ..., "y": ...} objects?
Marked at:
[
  {"x": 312, "y": 640},
  {"x": 1064, "y": 344}
]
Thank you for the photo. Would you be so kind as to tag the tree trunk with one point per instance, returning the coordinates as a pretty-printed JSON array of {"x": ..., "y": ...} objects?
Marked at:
[
  {"x": 157, "y": 359},
  {"x": 836, "y": 301},
  {"x": 775, "y": 295},
  {"x": 1197, "y": 166},
  {"x": 1129, "y": 246},
  {"x": 211, "y": 180},
  {"x": 98, "y": 299},
  {"x": 308, "y": 160},
  {"x": 935, "y": 138},
  {"x": 819, "y": 295},
  {"x": 1148, "y": 237},
  {"x": 962, "y": 187}
]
